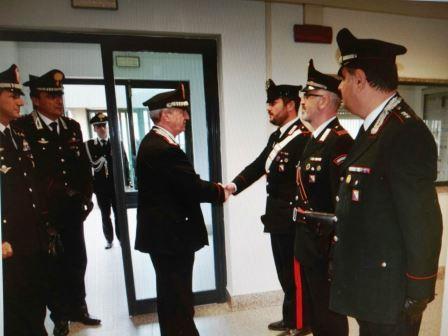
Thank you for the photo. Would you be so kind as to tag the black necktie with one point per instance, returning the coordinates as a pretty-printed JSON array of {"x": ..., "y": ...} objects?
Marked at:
[
  {"x": 360, "y": 134},
  {"x": 9, "y": 139},
  {"x": 54, "y": 128},
  {"x": 277, "y": 135},
  {"x": 103, "y": 143}
]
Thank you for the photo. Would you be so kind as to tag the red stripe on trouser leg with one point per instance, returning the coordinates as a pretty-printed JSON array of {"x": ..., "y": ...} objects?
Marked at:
[{"x": 298, "y": 281}]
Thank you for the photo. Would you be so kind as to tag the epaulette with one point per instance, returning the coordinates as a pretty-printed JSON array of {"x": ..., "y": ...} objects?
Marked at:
[{"x": 401, "y": 115}]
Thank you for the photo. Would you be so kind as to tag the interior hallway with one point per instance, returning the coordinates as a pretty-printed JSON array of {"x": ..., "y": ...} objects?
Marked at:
[{"x": 106, "y": 299}]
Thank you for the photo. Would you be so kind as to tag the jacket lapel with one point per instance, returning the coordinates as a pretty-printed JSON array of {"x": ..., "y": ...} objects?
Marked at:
[
  {"x": 315, "y": 143},
  {"x": 362, "y": 145},
  {"x": 371, "y": 135},
  {"x": 290, "y": 129}
]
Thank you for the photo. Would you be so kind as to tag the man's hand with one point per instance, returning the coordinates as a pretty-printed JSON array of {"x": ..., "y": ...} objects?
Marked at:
[
  {"x": 414, "y": 308},
  {"x": 230, "y": 187},
  {"x": 226, "y": 192},
  {"x": 6, "y": 250}
]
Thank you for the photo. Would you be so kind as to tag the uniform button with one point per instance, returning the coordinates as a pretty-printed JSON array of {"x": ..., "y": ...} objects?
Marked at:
[
  {"x": 335, "y": 219},
  {"x": 341, "y": 178},
  {"x": 5, "y": 221},
  {"x": 267, "y": 183},
  {"x": 2, "y": 158},
  {"x": 383, "y": 264},
  {"x": 337, "y": 198},
  {"x": 66, "y": 184},
  {"x": 268, "y": 171},
  {"x": 297, "y": 197},
  {"x": 311, "y": 209},
  {"x": 30, "y": 189},
  {"x": 335, "y": 238},
  {"x": 20, "y": 159},
  {"x": 290, "y": 203},
  {"x": 24, "y": 174},
  {"x": 62, "y": 160},
  {"x": 64, "y": 172},
  {"x": 34, "y": 205},
  {"x": 186, "y": 218},
  {"x": 60, "y": 148}
]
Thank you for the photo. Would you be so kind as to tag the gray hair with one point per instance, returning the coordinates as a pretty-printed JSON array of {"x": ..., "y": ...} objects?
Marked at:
[
  {"x": 335, "y": 100},
  {"x": 156, "y": 115}
]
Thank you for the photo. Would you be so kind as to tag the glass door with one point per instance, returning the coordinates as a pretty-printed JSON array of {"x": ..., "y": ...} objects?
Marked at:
[{"x": 137, "y": 76}]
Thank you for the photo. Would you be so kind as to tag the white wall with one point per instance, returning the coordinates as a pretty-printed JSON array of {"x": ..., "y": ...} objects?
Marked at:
[
  {"x": 240, "y": 26},
  {"x": 9, "y": 54}
]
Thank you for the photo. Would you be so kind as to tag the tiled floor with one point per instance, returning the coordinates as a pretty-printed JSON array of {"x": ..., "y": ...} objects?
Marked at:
[{"x": 106, "y": 298}]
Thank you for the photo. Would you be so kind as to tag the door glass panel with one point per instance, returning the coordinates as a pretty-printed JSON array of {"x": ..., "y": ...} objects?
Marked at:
[{"x": 155, "y": 71}]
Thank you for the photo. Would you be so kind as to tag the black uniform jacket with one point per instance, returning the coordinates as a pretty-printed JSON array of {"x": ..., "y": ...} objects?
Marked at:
[
  {"x": 62, "y": 166},
  {"x": 389, "y": 228},
  {"x": 280, "y": 174},
  {"x": 22, "y": 223},
  {"x": 317, "y": 184},
  {"x": 101, "y": 160},
  {"x": 169, "y": 216}
]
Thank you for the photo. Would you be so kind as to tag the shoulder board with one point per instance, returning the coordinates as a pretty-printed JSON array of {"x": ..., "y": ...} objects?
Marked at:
[{"x": 401, "y": 115}]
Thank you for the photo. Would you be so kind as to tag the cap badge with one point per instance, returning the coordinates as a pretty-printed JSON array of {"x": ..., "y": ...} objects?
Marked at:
[{"x": 58, "y": 78}]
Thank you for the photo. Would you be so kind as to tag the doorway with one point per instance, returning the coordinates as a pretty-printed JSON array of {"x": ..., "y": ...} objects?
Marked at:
[{"x": 163, "y": 63}]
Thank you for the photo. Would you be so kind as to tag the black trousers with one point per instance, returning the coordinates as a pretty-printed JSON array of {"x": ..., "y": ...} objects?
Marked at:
[
  {"x": 404, "y": 327},
  {"x": 316, "y": 295},
  {"x": 283, "y": 252},
  {"x": 174, "y": 275},
  {"x": 106, "y": 201},
  {"x": 68, "y": 269},
  {"x": 24, "y": 291}
]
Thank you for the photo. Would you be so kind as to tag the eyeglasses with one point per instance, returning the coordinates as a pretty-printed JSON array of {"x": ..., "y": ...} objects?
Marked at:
[{"x": 307, "y": 95}]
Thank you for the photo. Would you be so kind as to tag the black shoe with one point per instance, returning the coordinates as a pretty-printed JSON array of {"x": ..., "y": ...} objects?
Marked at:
[
  {"x": 85, "y": 319},
  {"x": 83, "y": 316},
  {"x": 296, "y": 332},
  {"x": 278, "y": 326},
  {"x": 60, "y": 328},
  {"x": 108, "y": 246}
]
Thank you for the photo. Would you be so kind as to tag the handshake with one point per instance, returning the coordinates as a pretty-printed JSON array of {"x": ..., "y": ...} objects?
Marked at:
[{"x": 229, "y": 189}]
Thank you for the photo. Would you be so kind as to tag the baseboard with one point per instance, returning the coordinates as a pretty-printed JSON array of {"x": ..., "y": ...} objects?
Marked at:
[{"x": 254, "y": 300}]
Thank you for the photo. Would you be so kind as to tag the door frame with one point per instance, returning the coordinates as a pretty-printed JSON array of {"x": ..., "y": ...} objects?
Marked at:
[{"x": 208, "y": 48}]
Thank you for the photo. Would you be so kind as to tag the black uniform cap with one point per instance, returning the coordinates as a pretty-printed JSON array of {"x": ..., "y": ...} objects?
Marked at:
[
  {"x": 52, "y": 81},
  {"x": 318, "y": 80},
  {"x": 354, "y": 50},
  {"x": 170, "y": 99},
  {"x": 10, "y": 80},
  {"x": 274, "y": 92},
  {"x": 99, "y": 118}
]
